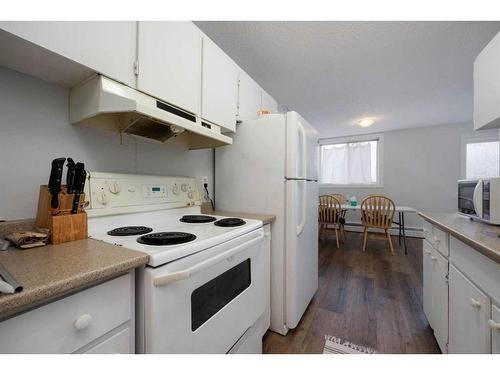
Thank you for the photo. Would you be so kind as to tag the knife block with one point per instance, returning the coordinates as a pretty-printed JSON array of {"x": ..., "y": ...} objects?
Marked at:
[{"x": 64, "y": 226}]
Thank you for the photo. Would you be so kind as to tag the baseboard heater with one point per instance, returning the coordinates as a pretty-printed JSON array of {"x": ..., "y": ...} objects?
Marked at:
[{"x": 410, "y": 231}]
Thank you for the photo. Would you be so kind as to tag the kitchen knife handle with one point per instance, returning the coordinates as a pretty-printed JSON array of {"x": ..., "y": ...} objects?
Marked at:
[{"x": 76, "y": 202}]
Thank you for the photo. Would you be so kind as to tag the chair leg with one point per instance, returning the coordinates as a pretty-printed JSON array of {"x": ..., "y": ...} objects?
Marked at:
[
  {"x": 365, "y": 235},
  {"x": 387, "y": 234},
  {"x": 337, "y": 237}
]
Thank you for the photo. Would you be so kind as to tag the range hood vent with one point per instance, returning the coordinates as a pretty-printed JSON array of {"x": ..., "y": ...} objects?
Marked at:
[{"x": 108, "y": 105}]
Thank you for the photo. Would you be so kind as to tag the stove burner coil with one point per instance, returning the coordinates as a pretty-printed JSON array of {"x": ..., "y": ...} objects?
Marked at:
[
  {"x": 166, "y": 238},
  {"x": 129, "y": 231},
  {"x": 197, "y": 219},
  {"x": 230, "y": 222}
]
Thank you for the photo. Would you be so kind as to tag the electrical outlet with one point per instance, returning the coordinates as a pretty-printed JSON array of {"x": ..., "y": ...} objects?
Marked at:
[{"x": 204, "y": 180}]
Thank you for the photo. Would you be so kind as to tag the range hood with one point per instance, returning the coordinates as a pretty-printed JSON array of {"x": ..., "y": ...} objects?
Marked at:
[{"x": 105, "y": 104}]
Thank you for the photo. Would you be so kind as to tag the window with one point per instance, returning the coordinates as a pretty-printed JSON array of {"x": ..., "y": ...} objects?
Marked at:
[
  {"x": 482, "y": 156},
  {"x": 350, "y": 162}
]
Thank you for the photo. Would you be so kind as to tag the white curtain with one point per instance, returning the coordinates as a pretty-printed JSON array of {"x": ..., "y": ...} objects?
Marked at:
[{"x": 347, "y": 163}]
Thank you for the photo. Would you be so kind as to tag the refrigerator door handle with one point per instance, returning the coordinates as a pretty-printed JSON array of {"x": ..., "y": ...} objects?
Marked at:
[
  {"x": 303, "y": 152},
  {"x": 303, "y": 218}
]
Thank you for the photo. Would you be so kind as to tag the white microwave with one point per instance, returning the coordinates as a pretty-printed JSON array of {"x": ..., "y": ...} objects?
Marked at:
[{"x": 480, "y": 199}]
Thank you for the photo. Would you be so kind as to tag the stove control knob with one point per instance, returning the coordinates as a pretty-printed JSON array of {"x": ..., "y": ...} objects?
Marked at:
[
  {"x": 175, "y": 189},
  {"x": 115, "y": 187},
  {"x": 190, "y": 194},
  {"x": 103, "y": 198},
  {"x": 184, "y": 187}
]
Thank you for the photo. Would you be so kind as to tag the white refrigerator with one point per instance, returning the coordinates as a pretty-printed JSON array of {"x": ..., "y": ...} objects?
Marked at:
[{"x": 272, "y": 168}]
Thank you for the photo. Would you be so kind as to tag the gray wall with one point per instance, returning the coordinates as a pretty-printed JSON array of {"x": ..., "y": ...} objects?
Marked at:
[
  {"x": 34, "y": 129},
  {"x": 421, "y": 169}
]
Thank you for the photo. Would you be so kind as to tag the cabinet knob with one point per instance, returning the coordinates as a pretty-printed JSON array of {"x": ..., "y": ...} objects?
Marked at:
[
  {"x": 427, "y": 252},
  {"x": 83, "y": 322},
  {"x": 494, "y": 325},
  {"x": 434, "y": 259},
  {"x": 475, "y": 303}
]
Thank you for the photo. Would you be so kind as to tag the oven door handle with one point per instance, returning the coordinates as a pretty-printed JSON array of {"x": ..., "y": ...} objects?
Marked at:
[{"x": 188, "y": 272}]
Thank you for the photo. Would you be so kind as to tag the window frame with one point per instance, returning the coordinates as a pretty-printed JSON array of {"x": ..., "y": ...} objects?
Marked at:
[
  {"x": 478, "y": 137},
  {"x": 351, "y": 139}
]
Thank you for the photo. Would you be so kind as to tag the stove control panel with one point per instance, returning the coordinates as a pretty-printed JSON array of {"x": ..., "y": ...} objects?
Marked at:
[
  {"x": 154, "y": 191},
  {"x": 120, "y": 193}
]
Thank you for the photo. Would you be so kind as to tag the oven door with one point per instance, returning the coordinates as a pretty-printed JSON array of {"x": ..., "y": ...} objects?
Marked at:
[
  {"x": 467, "y": 192},
  {"x": 205, "y": 302}
]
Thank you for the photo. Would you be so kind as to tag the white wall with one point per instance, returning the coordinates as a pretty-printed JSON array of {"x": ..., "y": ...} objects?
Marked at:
[
  {"x": 421, "y": 169},
  {"x": 34, "y": 129}
]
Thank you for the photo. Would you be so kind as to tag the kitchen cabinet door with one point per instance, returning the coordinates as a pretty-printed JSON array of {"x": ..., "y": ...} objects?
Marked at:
[
  {"x": 219, "y": 86},
  {"x": 495, "y": 329},
  {"x": 108, "y": 47},
  {"x": 268, "y": 103},
  {"x": 439, "y": 286},
  {"x": 249, "y": 97},
  {"x": 487, "y": 86},
  {"x": 170, "y": 62},
  {"x": 427, "y": 281},
  {"x": 469, "y": 314}
]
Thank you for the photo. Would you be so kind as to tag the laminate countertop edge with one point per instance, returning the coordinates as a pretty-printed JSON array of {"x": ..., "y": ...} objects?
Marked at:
[
  {"x": 486, "y": 245},
  {"x": 100, "y": 262}
]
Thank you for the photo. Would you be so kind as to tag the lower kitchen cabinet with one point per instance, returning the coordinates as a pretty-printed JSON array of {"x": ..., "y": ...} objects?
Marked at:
[
  {"x": 99, "y": 319},
  {"x": 469, "y": 313},
  {"x": 435, "y": 293},
  {"x": 427, "y": 281},
  {"x": 494, "y": 324}
]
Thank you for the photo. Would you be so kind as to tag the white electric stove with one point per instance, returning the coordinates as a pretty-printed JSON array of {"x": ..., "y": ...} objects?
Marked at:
[{"x": 204, "y": 289}]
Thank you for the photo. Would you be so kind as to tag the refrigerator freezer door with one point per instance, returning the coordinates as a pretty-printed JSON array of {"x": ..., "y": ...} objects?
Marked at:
[
  {"x": 301, "y": 247},
  {"x": 302, "y": 148}
]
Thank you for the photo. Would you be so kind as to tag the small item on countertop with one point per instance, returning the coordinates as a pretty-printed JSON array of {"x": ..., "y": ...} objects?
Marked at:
[
  {"x": 4, "y": 244},
  {"x": 70, "y": 176},
  {"x": 354, "y": 201},
  {"x": 79, "y": 185},
  {"x": 55, "y": 183},
  {"x": 8, "y": 279},
  {"x": 29, "y": 239}
]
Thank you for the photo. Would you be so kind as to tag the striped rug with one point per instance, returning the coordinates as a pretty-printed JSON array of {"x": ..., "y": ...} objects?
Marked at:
[{"x": 335, "y": 345}]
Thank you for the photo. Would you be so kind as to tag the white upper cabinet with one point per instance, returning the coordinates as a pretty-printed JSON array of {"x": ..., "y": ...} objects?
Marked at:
[
  {"x": 268, "y": 103},
  {"x": 170, "y": 62},
  {"x": 487, "y": 86},
  {"x": 219, "y": 86},
  {"x": 249, "y": 97},
  {"x": 105, "y": 47}
]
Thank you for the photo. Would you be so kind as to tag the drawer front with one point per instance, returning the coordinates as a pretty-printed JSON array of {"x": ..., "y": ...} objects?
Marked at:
[
  {"x": 483, "y": 271},
  {"x": 119, "y": 343},
  {"x": 469, "y": 314},
  {"x": 437, "y": 238},
  {"x": 70, "y": 323},
  {"x": 495, "y": 329}
]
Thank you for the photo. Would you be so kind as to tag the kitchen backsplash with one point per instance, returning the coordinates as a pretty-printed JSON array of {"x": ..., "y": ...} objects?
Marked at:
[{"x": 34, "y": 129}]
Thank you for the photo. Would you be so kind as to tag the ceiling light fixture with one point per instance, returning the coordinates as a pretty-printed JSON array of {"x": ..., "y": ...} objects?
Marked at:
[{"x": 366, "y": 122}]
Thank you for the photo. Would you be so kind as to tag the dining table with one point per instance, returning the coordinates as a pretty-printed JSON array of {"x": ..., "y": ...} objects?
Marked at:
[{"x": 401, "y": 210}]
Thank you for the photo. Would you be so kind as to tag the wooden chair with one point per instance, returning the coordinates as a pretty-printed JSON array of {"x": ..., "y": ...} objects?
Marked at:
[
  {"x": 329, "y": 215},
  {"x": 342, "y": 199},
  {"x": 377, "y": 211}
]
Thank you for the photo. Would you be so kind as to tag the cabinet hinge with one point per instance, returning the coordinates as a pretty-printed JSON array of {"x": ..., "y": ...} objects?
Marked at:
[{"x": 136, "y": 67}]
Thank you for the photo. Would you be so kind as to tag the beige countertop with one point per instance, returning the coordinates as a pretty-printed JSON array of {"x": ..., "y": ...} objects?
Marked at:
[
  {"x": 266, "y": 219},
  {"x": 50, "y": 272},
  {"x": 481, "y": 236}
]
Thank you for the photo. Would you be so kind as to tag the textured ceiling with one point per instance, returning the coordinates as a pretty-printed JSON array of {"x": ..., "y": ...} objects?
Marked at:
[{"x": 405, "y": 74}]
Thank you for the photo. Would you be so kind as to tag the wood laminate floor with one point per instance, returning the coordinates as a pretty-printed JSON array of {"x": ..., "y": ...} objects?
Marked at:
[{"x": 369, "y": 298}]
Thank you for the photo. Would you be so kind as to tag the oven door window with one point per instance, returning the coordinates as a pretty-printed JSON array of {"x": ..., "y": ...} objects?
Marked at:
[
  {"x": 465, "y": 197},
  {"x": 212, "y": 296}
]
